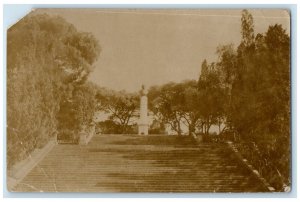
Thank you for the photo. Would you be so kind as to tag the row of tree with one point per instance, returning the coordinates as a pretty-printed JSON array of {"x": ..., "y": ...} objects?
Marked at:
[
  {"x": 48, "y": 62},
  {"x": 119, "y": 113},
  {"x": 190, "y": 104},
  {"x": 247, "y": 89}
]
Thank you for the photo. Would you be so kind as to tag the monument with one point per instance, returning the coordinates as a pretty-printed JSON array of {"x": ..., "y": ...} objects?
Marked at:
[{"x": 143, "y": 122}]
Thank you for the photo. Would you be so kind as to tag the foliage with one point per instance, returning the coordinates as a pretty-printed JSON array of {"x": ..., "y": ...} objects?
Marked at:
[
  {"x": 157, "y": 127},
  {"x": 167, "y": 105},
  {"x": 45, "y": 68},
  {"x": 120, "y": 106},
  {"x": 68, "y": 136},
  {"x": 194, "y": 104},
  {"x": 111, "y": 127},
  {"x": 77, "y": 112},
  {"x": 247, "y": 89},
  {"x": 176, "y": 104},
  {"x": 247, "y": 30},
  {"x": 212, "y": 96},
  {"x": 258, "y": 77},
  {"x": 275, "y": 175}
]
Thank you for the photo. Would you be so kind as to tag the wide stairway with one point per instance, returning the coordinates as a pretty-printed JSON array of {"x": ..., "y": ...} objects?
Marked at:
[{"x": 131, "y": 163}]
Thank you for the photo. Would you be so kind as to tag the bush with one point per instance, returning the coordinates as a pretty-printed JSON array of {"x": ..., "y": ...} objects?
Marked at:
[
  {"x": 110, "y": 127},
  {"x": 156, "y": 131},
  {"x": 68, "y": 136},
  {"x": 211, "y": 137},
  {"x": 39, "y": 50}
]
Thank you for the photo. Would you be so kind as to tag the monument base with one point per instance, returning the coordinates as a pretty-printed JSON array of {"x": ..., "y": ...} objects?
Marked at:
[{"x": 143, "y": 129}]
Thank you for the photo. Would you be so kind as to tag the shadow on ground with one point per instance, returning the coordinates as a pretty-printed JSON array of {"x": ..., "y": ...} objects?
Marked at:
[
  {"x": 184, "y": 168},
  {"x": 132, "y": 163}
]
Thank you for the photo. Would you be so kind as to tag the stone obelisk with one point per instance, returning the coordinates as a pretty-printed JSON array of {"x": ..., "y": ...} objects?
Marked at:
[{"x": 143, "y": 122}]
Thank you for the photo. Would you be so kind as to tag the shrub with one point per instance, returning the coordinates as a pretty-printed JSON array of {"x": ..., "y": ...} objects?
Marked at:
[{"x": 68, "y": 136}]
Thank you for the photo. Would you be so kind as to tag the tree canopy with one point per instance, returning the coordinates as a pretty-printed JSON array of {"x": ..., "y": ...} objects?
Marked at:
[
  {"x": 121, "y": 108},
  {"x": 48, "y": 62},
  {"x": 247, "y": 90}
]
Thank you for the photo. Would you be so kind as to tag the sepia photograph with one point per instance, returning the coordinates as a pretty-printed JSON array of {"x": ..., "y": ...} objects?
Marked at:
[{"x": 144, "y": 100}]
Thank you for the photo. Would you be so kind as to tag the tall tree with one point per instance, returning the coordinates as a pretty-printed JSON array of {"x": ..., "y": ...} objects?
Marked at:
[
  {"x": 227, "y": 66},
  {"x": 260, "y": 95},
  {"x": 192, "y": 102},
  {"x": 211, "y": 96},
  {"x": 247, "y": 28},
  {"x": 39, "y": 68}
]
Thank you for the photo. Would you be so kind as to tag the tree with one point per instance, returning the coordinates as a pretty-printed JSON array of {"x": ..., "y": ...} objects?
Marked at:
[
  {"x": 77, "y": 111},
  {"x": 175, "y": 104},
  {"x": 42, "y": 74},
  {"x": 259, "y": 76},
  {"x": 211, "y": 95},
  {"x": 244, "y": 83},
  {"x": 227, "y": 67},
  {"x": 120, "y": 106},
  {"x": 190, "y": 108},
  {"x": 167, "y": 105},
  {"x": 274, "y": 98},
  {"x": 247, "y": 28}
]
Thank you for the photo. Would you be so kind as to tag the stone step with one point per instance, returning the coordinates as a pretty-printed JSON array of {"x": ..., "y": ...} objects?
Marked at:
[{"x": 128, "y": 163}]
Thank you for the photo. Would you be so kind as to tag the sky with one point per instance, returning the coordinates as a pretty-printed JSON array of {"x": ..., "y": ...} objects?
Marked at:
[{"x": 153, "y": 47}]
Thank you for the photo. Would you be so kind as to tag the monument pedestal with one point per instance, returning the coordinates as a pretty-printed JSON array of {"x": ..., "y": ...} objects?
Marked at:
[{"x": 143, "y": 129}]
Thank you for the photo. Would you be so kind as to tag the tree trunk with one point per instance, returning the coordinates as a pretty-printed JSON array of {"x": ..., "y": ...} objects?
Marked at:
[
  {"x": 179, "y": 128},
  {"x": 219, "y": 123},
  {"x": 192, "y": 128}
]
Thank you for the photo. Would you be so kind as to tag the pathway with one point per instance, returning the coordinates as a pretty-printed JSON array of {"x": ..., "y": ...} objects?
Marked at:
[{"x": 131, "y": 163}]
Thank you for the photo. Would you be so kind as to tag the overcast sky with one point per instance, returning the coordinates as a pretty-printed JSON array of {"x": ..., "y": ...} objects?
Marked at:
[{"x": 157, "y": 46}]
